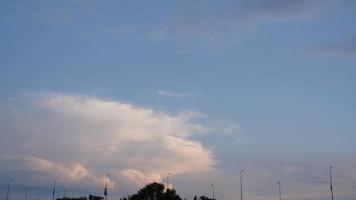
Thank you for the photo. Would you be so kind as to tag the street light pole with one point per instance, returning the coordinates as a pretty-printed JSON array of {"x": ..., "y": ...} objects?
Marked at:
[
  {"x": 331, "y": 184},
  {"x": 8, "y": 188},
  {"x": 106, "y": 186},
  {"x": 279, "y": 190},
  {"x": 168, "y": 180},
  {"x": 54, "y": 187},
  {"x": 213, "y": 188},
  {"x": 241, "y": 183},
  {"x": 64, "y": 192}
]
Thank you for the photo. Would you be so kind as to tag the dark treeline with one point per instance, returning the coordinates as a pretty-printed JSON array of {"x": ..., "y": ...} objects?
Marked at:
[
  {"x": 156, "y": 191},
  {"x": 91, "y": 197},
  {"x": 152, "y": 191}
]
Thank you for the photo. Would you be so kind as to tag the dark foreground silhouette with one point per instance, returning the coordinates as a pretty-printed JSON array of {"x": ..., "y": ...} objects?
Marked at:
[
  {"x": 91, "y": 197},
  {"x": 152, "y": 191}
]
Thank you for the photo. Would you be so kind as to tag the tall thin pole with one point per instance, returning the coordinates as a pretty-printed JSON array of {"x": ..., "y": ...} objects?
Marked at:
[
  {"x": 331, "y": 184},
  {"x": 170, "y": 173},
  {"x": 241, "y": 183},
  {"x": 213, "y": 188},
  {"x": 8, "y": 188},
  {"x": 54, "y": 187},
  {"x": 64, "y": 192},
  {"x": 279, "y": 190},
  {"x": 106, "y": 187}
]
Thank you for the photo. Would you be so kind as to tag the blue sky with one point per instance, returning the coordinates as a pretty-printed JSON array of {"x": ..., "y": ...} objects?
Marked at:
[{"x": 267, "y": 86}]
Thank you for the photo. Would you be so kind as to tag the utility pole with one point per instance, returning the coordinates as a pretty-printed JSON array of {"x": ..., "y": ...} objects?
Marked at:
[
  {"x": 241, "y": 183},
  {"x": 331, "y": 184},
  {"x": 170, "y": 173},
  {"x": 106, "y": 187},
  {"x": 8, "y": 188},
  {"x": 54, "y": 187},
  {"x": 64, "y": 192},
  {"x": 279, "y": 190},
  {"x": 213, "y": 188}
]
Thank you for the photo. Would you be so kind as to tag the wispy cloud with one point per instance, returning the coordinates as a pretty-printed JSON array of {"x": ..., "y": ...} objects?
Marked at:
[
  {"x": 67, "y": 11},
  {"x": 165, "y": 93},
  {"x": 224, "y": 127},
  {"x": 345, "y": 48},
  {"x": 278, "y": 10},
  {"x": 223, "y": 22}
]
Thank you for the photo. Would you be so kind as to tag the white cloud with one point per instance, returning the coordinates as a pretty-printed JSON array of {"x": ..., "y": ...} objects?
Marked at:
[
  {"x": 79, "y": 137},
  {"x": 68, "y": 172},
  {"x": 140, "y": 178},
  {"x": 73, "y": 172},
  {"x": 172, "y": 94}
]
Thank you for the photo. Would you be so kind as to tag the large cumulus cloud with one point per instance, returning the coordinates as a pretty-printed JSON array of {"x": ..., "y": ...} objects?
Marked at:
[{"x": 84, "y": 138}]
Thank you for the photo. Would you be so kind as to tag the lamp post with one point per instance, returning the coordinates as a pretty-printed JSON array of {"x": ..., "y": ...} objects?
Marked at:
[
  {"x": 54, "y": 187},
  {"x": 213, "y": 188},
  {"x": 64, "y": 192},
  {"x": 241, "y": 183},
  {"x": 331, "y": 184},
  {"x": 106, "y": 186},
  {"x": 279, "y": 190},
  {"x": 170, "y": 173},
  {"x": 8, "y": 188}
]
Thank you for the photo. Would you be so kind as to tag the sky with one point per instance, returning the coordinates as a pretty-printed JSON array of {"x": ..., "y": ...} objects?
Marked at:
[{"x": 200, "y": 89}]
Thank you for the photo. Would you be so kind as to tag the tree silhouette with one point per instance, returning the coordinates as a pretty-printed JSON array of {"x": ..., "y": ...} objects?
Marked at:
[
  {"x": 71, "y": 198},
  {"x": 205, "y": 198},
  {"x": 154, "y": 191}
]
